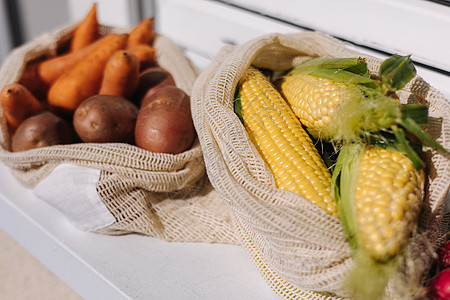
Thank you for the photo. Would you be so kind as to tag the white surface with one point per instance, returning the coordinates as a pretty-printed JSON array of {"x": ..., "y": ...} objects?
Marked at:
[
  {"x": 129, "y": 266},
  {"x": 207, "y": 26},
  {"x": 416, "y": 27}
]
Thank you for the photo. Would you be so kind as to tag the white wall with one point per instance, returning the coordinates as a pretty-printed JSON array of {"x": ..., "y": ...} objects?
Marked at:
[
  {"x": 38, "y": 17},
  {"x": 5, "y": 38},
  {"x": 119, "y": 13}
]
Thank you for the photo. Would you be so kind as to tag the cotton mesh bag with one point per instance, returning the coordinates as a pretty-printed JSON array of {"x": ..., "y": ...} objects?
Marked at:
[
  {"x": 118, "y": 188},
  {"x": 300, "y": 250}
]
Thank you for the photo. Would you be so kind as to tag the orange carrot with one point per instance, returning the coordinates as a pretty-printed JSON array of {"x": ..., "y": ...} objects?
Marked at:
[
  {"x": 121, "y": 75},
  {"x": 142, "y": 33},
  {"x": 30, "y": 79},
  {"x": 84, "y": 79},
  {"x": 87, "y": 31},
  {"x": 18, "y": 103},
  {"x": 42, "y": 74},
  {"x": 146, "y": 55}
]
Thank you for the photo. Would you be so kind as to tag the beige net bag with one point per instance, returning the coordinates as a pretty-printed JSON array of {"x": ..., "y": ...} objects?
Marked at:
[
  {"x": 119, "y": 188},
  {"x": 301, "y": 250}
]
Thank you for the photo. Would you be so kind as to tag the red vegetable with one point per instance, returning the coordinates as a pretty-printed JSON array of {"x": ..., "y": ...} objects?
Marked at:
[
  {"x": 444, "y": 255},
  {"x": 439, "y": 288},
  {"x": 164, "y": 124}
]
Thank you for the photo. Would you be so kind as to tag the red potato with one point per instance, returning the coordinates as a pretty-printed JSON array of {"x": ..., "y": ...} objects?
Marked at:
[
  {"x": 444, "y": 255},
  {"x": 164, "y": 124},
  {"x": 149, "y": 81},
  {"x": 105, "y": 119},
  {"x": 439, "y": 288},
  {"x": 42, "y": 130}
]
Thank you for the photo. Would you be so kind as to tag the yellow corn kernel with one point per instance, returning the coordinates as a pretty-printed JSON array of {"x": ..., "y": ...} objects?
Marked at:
[
  {"x": 283, "y": 143},
  {"x": 314, "y": 100},
  {"x": 386, "y": 212}
]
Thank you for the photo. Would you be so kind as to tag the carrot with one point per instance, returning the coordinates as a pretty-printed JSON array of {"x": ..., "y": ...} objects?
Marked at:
[
  {"x": 18, "y": 103},
  {"x": 87, "y": 31},
  {"x": 142, "y": 33},
  {"x": 40, "y": 75},
  {"x": 31, "y": 80},
  {"x": 146, "y": 55},
  {"x": 121, "y": 75},
  {"x": 84, "y": 79}
]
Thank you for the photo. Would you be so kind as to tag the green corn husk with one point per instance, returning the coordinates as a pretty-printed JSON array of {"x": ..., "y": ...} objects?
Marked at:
[
  {"x": 363, "y": 108},
  {"x": 373, "y": 112},
  {"x": 368, "y": 276},
  {"x": 396, "y": 72}
]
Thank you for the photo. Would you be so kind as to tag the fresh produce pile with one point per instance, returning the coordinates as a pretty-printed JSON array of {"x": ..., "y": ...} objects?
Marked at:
[
  {"x": 328, "y": 129},
  {"x": 99, "y": 88},
  {"x": 338, "y": 136}
]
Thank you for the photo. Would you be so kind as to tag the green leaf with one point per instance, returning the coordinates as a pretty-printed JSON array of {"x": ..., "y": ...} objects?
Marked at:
[
  {"x": 237, "y": 104},
  {"x": 354, "y": 65},
  {"x": 342, "y": 70},
  {"x": 360, "y": 69},
  {"x": 396, "y": 71},
  {"x": 404, "y": 146},
  {"x": 344, "y": 179},
  {"x": 416, "y": 112},
  {"x": 340, "y": 75},
  {"x": 412, "y": 127},
  {"x": 330, "y": 63}
]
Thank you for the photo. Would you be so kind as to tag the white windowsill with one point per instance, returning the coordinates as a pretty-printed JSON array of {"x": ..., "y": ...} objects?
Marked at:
[{"x": 130, "y": 266}]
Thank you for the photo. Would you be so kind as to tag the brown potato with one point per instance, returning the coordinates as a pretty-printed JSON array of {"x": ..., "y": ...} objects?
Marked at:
[
  {"x": 106, "y": 119},
  {"x": 42, "y": 130},
  {"x": 149, "y": 81},
  {"x": 165, "y": 123}
]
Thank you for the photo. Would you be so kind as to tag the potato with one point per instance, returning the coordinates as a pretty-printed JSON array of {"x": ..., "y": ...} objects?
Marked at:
[
  {"x": 149, "y": 81},
  {"x": 105, "y": 119},
  {"x": 42, "y": 130},
  {"x": 165, "y": 123}
]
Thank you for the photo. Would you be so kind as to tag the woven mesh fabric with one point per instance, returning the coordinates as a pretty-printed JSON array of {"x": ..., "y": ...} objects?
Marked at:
[
  {"x": 162, "y": 195},
  {"x": 297, "y": 246}
]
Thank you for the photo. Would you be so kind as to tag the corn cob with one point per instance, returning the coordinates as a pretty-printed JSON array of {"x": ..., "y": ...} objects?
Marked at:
[
  {"x": 387, "y": 182},
  {"x": 283, "y": 143},
  {"x": 379, "y": 194},
  {"x": 383, "y": 199},
  {"x": 336, "y": 98},
  {"x": 378, "y": 179},
  {"x": 314, "y": 100}
]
